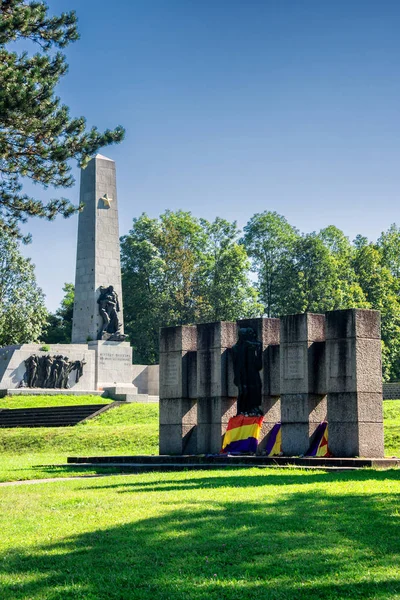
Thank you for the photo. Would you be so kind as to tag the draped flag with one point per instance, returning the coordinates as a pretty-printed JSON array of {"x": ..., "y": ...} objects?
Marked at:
[
  {"x": 273, "y": 447},
  {"x": 319, "y": 445},
  {"x": 242, "y": 435}
]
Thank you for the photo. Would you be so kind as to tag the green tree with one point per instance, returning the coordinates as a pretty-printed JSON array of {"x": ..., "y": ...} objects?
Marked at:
[
  {"x": 225, "y": 291},
  {"x": 381, "y": 289},
  {"x": 59, "y": 324},
  {"x": 389, "y": 245},
  {"x": 37, "y": 135},
  {"x": 23, "y": 314},
  {"x": 180, "y": 270},
  {"x": 269, "y": 241}
]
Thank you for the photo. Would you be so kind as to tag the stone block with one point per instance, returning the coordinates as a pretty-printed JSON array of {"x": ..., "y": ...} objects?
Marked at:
[
  {"x": 295, "y": 438},
  {"x": 370, "y": 440},
  {"x": 210, "y": 437},
  {"x": 353, "y": 323},
  {"x": 113, "y": 362},
  {"x": 215, "y": 409},
  {"x": 369, "y": 365},
  {"x": 352, "y": 406},
  {"x": 302, "y": 408},
  {"x": 221, "y": 334},
  {"x": 341, "y": 365},
  {"x": 267, "y": 330},
  {"x": 343, "y": 439},
  {"x": 271, "y": 407},
  {"x": 178, "y": 411},
  {"x": 294, "y": 368},
  {"x": 214, "y": 373},
  {"x": 316, "y": 358},
  {"x": 305, "y": 327},
  {"x": 178, "y": 339},
  {"x": 191, "y": 359},
  {"x": 173, "y": 375},
  {"x": 272, "y": 384},
  {"x": 177, "y": 439}
]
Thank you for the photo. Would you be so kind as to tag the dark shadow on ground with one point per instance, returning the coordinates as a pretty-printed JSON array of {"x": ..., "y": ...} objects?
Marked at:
[
  {"x": 308, "y": 545},
  {"x": 230, "y": 477}
]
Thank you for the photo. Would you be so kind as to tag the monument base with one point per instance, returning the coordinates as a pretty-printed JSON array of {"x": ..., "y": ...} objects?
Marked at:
[{"x": 106, "y": 368}]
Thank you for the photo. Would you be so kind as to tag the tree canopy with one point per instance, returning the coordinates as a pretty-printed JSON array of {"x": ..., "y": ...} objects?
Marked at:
[
  {"x": 180, "y": 270},
  {"x": 38, "y": 137},
  {"x": 23, "y": 314}
]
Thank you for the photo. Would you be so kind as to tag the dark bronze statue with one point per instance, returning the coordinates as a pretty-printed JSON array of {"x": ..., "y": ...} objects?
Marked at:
[
  {"x": 247, "y": 364},
  {"x": 50, "y": 371},
  {"x": 109, "y": 308},
  {"x": 32, "y": 365}
]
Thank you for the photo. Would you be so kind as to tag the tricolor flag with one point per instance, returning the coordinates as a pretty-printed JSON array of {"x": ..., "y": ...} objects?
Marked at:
[
  {"x": 273, "y": 447},
  {"x": 242, "y": 435},
  {"x": 319, "y": 445}
]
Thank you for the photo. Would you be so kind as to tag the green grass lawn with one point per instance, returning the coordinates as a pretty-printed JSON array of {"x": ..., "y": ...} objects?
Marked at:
[
  {"x": 216, "y": 535},
  {"x": 46, "y": 401},
  {"x": 30, "y": 453}
]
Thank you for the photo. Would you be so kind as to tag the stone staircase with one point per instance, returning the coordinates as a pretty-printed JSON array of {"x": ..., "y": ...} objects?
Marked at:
[
  {"x": 128, "y": 393},
  {"x": 57, "y": 416}
]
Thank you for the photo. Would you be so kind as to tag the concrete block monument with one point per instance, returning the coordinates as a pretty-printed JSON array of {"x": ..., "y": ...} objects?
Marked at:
[
  {"x": 314, "y": 369},
  {"x": 216, "y": 393},
  {"x": 303, "y": 388},
  {"x": 178, "y": 408},
  {"x": 354, "y": 380}
]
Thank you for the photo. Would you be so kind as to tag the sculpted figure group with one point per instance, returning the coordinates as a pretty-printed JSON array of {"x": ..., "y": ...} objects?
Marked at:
[
  {"x": 109, "y": 308},
  {"x": 51, "y": 371}
]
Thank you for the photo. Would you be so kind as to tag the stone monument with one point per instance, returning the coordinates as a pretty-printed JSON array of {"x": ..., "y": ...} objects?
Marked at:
[
  {"x": 322, "y": 367},
  {"x": 98, "y": 357}
]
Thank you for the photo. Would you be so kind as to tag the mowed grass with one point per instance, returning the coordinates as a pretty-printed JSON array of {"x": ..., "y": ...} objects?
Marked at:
[
  {"x": 44, "y": 401},
  {"x": 217, "y": 535},
  {"x": 32, "y": 453}
]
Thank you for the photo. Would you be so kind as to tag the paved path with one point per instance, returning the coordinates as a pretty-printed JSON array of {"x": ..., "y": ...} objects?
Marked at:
[{"x": 49, "y": 480}]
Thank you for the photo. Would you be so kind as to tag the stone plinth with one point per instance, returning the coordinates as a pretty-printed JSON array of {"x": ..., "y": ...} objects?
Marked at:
[
  {"x": 268, "y": 333},
  {"x": 302, "y": 379},
  {"x": 354, "y": 379},
  {"x": 178, "y": 409},
  {"x": 98, "y": 254},
  {"x": 216, "y": 392},
  {"x": 113, "y": 363}
]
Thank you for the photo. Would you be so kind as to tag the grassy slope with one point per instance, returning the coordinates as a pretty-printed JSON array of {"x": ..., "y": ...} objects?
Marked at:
[
  {"x": 220, "y": 535},
  {"x": 44, "y": 401},
  {"x": 130, "y": 429}
]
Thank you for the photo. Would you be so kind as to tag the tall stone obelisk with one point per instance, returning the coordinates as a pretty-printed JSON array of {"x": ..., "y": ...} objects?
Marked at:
[{"x": 98, "y": 255}]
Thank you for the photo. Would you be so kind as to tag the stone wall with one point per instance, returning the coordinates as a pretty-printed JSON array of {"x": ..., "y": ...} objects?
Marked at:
[
  {"x": 316, "y": 368},
  {"x": 391, "y": 391}
]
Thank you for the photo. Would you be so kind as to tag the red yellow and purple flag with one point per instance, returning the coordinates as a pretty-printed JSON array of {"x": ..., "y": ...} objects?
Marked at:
[
  {"x": 242, "y": 435},
  {"x": 319, "y": 445},
  {"x": 273, "y": 447}
]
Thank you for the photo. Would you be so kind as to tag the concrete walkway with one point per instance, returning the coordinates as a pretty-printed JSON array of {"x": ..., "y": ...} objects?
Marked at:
[{"x": 51, "y": 479}]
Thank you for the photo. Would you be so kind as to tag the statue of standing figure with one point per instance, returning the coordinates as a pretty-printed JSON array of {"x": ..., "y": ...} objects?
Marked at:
[
  {"x": 32, "y": 365},
  {"x": 247, "y": 364},
  {"x": 109, "y": 309}
]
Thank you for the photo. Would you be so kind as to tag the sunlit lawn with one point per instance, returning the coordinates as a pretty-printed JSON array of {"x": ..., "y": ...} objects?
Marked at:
[
  {"x": 30, "y": 453},
  {"x": 234, "y": 535}
]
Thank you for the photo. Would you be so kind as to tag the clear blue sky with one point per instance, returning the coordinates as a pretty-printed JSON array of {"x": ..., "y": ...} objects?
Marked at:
[{"x": 234, "y": 107}]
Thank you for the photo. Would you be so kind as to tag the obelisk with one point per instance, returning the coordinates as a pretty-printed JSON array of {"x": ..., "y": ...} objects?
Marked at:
[{"x": 98, "y": 254}]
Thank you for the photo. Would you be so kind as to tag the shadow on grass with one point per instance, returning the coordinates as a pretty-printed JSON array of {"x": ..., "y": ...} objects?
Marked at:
[
  {"x": 232, "y": 478},
  {"x": 308, "y": 544}
]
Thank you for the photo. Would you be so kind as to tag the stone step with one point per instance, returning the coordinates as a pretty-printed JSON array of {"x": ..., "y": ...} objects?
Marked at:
[
  {"x": 50, "y": 392},
  {"x": 220, "y": 459},
  {"x": 55, "y": 416}
]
